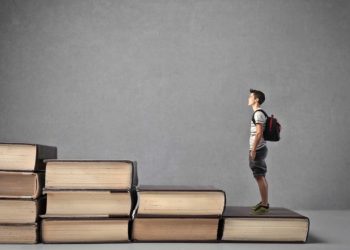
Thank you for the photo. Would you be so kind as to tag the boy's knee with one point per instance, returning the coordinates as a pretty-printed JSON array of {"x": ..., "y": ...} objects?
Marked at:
[{"x": 259, "y": 178}]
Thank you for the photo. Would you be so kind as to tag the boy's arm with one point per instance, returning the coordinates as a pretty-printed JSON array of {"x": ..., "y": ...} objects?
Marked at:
[{"x": 258, "y": 136}]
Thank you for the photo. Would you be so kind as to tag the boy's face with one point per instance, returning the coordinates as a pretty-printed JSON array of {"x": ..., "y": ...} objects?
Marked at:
[{"x": 251, "y": 99}]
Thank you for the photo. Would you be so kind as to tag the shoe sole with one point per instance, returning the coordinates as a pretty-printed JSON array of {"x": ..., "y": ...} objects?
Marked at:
[
  {"x": 256, "y": 207},
  {"x": 262, "y": 213}
]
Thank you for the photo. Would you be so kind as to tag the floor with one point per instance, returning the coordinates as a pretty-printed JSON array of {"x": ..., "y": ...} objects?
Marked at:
[{"x": 329, "y": 229}]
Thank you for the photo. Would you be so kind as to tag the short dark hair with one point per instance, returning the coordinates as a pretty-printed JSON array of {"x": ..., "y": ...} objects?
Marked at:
[{"x": 258, "y": 94}]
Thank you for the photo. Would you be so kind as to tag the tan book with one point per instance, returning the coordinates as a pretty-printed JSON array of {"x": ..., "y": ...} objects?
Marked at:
[
  {"x": 67, "y": 203},
  {"x": 20, "y": 210},
  {"x": 90, "y": 174},
  {"x": 25, "y": 157},
  {"x": 18, "y": 233},
  {"x": 84, "y": 230},
  {"x": 278, "y": 225},
  {"x": 21, "y": 184},
  {"x": 201, "y": 201},
  {"x": 175, "y": 229}
]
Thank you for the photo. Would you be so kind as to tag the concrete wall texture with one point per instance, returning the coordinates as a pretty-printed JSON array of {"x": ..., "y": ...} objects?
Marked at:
[{"x": 166, "y": 83}]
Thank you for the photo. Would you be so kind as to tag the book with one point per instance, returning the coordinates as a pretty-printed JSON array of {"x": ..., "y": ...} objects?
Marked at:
[
  {"x": 67, "y": 203},
  {"x": 18, "y": 233},
  {"x": 91, "y": 174},
  {"x": 185, "y": 229},
  {"x": 21, "y": 184},
  {"x": 25, "y": 157},
  {"x": 191, "y": 201},
  {"x": 21, "y": 210},
  {"x": 278, "y": 225},
  {"x": 89, "y": 230}
]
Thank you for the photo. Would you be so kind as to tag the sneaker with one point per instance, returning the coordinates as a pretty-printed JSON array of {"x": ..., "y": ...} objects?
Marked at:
[
  {"x": 258, "y": 205},
  {"x": 260, "y": 210}
]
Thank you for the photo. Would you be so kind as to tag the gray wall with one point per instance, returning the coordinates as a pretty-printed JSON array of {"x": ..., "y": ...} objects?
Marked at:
[{"x": 166, "y": 83}]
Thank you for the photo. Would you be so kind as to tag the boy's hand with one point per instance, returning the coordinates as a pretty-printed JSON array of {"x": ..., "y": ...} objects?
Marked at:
[{"x": 253, "y": 154}]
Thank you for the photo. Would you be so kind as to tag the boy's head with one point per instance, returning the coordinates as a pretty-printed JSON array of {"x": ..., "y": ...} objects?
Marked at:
[{"x": 256, "y": 96}]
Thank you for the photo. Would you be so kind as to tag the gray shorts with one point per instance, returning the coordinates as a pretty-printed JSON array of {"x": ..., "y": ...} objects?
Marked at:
[{"x": 258, "y": 165}]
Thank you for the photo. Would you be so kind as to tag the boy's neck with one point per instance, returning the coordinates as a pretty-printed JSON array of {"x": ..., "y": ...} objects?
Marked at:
[{"x": 255, "y": 106}]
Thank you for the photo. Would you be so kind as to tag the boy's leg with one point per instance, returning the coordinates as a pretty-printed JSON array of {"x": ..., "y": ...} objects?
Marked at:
[
  {"x": 263, "y": 188},
  {"x": 259, "y": 168}
]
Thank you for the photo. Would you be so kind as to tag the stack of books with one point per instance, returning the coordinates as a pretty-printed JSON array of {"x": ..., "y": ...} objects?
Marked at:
[
  {"x": 21, "y": 181},
  {"x": 89, "y": 201},
  {"x": 177, "y": 213},
  {"x": 99, "y": 201}
]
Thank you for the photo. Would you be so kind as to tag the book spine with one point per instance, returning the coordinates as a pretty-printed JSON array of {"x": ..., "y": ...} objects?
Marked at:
[
  {"x": 136, "y": 205},
  {"x": 130, "y": 227},
  {"x": 39, "y": 183},
  {"x": 221, "y": 228},
  {"x": 134, "y": 201},
  {"x": 225, "y": 199},
  {"x": 308, "y": 230},
  {"x": 41, "y": 205},
  {"x": 135, "y": 179}
]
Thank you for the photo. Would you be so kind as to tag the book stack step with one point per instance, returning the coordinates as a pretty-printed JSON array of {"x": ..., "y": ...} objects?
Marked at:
[
  {"x": 22, "y": 176},
  {"x": 278, "y": 225},
  {"x": 177, "y": 213},
  {"x": 89, "y": 201}
]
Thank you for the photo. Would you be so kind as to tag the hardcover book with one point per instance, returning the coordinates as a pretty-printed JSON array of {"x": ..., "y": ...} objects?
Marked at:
[
  {"x": 25, "y": 157},
  {"x": 191, "y": 201},
  {"x": 22, "y": 211},
  {"x": 90, "y": 174},
  {"x": 85, "y": 230},
  {"x": 278, "y": 225},
  {"x": 67, "y": 203},
  {"x": 18, "y": 233},
  {"x": 181, "y": 229},
  {"x": 21, "y": 184}
]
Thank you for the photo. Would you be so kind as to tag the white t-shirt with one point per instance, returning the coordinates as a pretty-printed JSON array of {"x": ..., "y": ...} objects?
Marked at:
[{"x": 259, "y": 118}]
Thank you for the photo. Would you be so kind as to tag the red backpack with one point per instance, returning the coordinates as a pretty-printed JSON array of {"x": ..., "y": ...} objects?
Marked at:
[{"x": 272, "y": 129}]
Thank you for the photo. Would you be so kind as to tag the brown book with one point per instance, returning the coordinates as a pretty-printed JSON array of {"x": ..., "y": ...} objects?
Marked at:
[
  {"x": 278, "y": 225},
  {"x": 175, "y": 229},
  {"x": 18, "y": 233},
  {"x": 25, "y": 157},
  {"x": 21, "y": 210},
  {"x": 21, "y": 184},
  {"x": 80, "y": 230},
  {"x": 91, "y": 174},
  {"x": 174, "y": 201},
  {"x": 82, "y": 203}
]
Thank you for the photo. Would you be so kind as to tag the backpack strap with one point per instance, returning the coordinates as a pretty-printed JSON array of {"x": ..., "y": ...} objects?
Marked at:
[{"x": 253, "y": 120}]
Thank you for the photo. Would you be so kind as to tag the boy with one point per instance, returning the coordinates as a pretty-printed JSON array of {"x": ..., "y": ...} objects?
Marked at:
[{"x": 258, "y": 150}]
